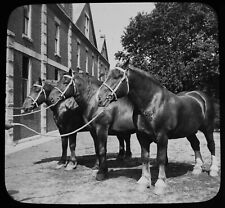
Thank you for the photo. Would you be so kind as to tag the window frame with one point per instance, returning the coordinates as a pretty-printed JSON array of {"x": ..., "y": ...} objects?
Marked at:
[
  {"x": 28, "y": 78},
  {"x": 78, "y": 54},
  {"x": 93, "y": 65},
  {"x": 86, "y": 60},
  {"x": 57, "y": 37},
  {"x": 27, "y": 20},
  {"x": 87, "y": 26}
]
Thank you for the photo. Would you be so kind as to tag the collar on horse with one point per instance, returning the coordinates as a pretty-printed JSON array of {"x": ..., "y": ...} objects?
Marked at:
[
  {"x": 113, "y": 91},
  {"x": 67, "y": 87},
  {"x": 36, "y": 99}
]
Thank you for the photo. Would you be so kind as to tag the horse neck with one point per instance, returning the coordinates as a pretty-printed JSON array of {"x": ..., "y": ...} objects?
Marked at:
[
  {"x": 86, "y": 92},
  {"x": 142, "y": 87},
  {"x": 48, "y": 86}
]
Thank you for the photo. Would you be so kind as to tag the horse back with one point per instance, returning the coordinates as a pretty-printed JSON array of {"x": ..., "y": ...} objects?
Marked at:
[{"x": 194, "y": 111}]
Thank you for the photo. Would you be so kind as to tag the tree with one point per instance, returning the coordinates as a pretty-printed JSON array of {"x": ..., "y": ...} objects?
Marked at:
[{"x": 177, "y": 43}]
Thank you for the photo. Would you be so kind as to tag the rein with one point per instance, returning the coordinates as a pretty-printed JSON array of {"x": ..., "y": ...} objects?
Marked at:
[
  {"x": 62, "y": 135},
  {"x": 33, "y": 112}
]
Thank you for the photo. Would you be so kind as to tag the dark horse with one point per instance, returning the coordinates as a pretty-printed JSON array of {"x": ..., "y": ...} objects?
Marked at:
[
  {"x": 166, "y": 115},
  {"x": 116, "y": 118},
  {"x": 68, "y": 117}
]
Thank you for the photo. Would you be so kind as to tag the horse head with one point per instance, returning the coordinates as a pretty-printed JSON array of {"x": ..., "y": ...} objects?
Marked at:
[
  {"x": 37, "y": 96},
  {"x": 65, "y": 88},
  {"x": 115, "y": 86}
]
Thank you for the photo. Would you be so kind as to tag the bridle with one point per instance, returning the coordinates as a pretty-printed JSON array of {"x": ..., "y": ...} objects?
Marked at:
[
  {"x": 113, "y": 91},
  {"x": 36, "y": 99},
  {"x": 67, "y": 87}
]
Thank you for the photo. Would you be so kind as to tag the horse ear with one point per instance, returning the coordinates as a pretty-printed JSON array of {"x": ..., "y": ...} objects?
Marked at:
[
  {"x": 39, "y": 81},
  {"x": 125, "y": 65},
  {"x": 70, "y": 72}
]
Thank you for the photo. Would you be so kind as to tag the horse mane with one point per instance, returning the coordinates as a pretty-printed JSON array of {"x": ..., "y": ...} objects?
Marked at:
[
  {"x": 51, "y": 82},
  {"x": 145, "y": 74},
  {"x": 89, "y": 79}
]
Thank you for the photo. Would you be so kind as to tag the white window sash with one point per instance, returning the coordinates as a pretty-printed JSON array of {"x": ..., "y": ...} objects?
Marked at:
[
  {"x": 57, "y": 40},
  {"x": 78, "y": 55},
  {"x": 86, "y": 67}
]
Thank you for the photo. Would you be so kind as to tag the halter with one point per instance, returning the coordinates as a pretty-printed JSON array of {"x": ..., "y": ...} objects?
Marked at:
[
  {"x": 67, "y": 87},
  {"x": 113, "y": 91},
  {"x": 36, "y": 99}
]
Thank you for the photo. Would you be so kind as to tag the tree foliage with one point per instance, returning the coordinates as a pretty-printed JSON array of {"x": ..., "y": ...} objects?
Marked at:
[{"x": 176, "y": 42}]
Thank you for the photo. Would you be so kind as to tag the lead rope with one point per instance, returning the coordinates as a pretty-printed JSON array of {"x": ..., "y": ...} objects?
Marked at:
[
  {"x": 62, "y": 135},
  {"x": 25, "y": 114}
]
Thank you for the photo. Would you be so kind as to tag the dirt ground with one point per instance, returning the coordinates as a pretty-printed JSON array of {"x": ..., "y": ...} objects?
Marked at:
[{"x": 31, "y": 177}]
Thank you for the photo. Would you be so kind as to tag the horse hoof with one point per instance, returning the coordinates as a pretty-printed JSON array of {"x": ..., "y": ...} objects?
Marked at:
[
  {"x": 196, "y": 171},
  {"x": 213, "y": 173},
  {"x": 119, "y": 158},
  {"x": 96, "y": 167},
  {"x": 160, "y": 187},
  {"x": 60, "y": 165},
  {"x": 71, "y": 165},
  {"x": 128, "y": 156},
  {"x": 100, "y": 176},
  {"x": 144, "y": 181},
  {"x": 94, "y": 173}
]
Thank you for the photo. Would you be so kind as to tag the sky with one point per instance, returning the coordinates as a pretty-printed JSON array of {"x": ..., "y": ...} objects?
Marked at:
[{"x": 111, "y": 19}]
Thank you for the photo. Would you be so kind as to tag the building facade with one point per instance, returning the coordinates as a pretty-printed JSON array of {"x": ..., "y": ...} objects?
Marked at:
[{"x": 44, "y": 41}]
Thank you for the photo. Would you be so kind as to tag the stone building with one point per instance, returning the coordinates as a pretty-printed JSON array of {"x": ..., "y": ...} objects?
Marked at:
[{"x": 44, "y": 40}]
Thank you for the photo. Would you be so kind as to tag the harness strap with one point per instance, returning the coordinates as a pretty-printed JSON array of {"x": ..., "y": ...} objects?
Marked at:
[
  {"x": 67, "y": 87},
  {"x": 198, "y": 101},
  {"x": 113, "y": 91},
  {"x": 34, "y": 100},
  {"x": 62, "y": 93},
  {"x": 118, "y": 85},
  {"x": 25, "y": 114},
  {"x": 42, "y": 90}
]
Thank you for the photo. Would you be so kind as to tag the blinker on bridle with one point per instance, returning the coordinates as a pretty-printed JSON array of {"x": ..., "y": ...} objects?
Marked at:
[
  {"x": 62, "y": 96},
  {"x": 113, "y": 91},
  {"x": 36, "y": 99}
]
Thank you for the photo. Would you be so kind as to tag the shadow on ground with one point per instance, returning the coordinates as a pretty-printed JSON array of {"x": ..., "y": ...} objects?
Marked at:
[{"x": 127, "y": 168}]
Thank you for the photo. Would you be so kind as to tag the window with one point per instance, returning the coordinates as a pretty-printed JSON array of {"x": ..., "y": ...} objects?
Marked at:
[
  {"x": 26, "y": 77},
  {"x": 93, "y": 66},
  {"x": 27, "y": 21},
  {"x": 86, "y": 26},
  {"x": 78, "y": 54},
  {"x": 57, "y": 39},
  {"x": 86, "y": 61}
]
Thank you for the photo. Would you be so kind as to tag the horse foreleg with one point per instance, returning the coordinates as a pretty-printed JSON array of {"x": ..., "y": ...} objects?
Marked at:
[
  {"x": 195, "y": 144},
  {"x": 95, "y": 139},
  {"x": 73, "y": 161},
  {"x": 62, "y": 161},
  {"x": 121, "y": 153},
  {"x": 145, "y": 180},
  {"x": 102, "y": 134},
  {"x": 128, "y": 153},
  {"x": 162, "y": 143}
]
